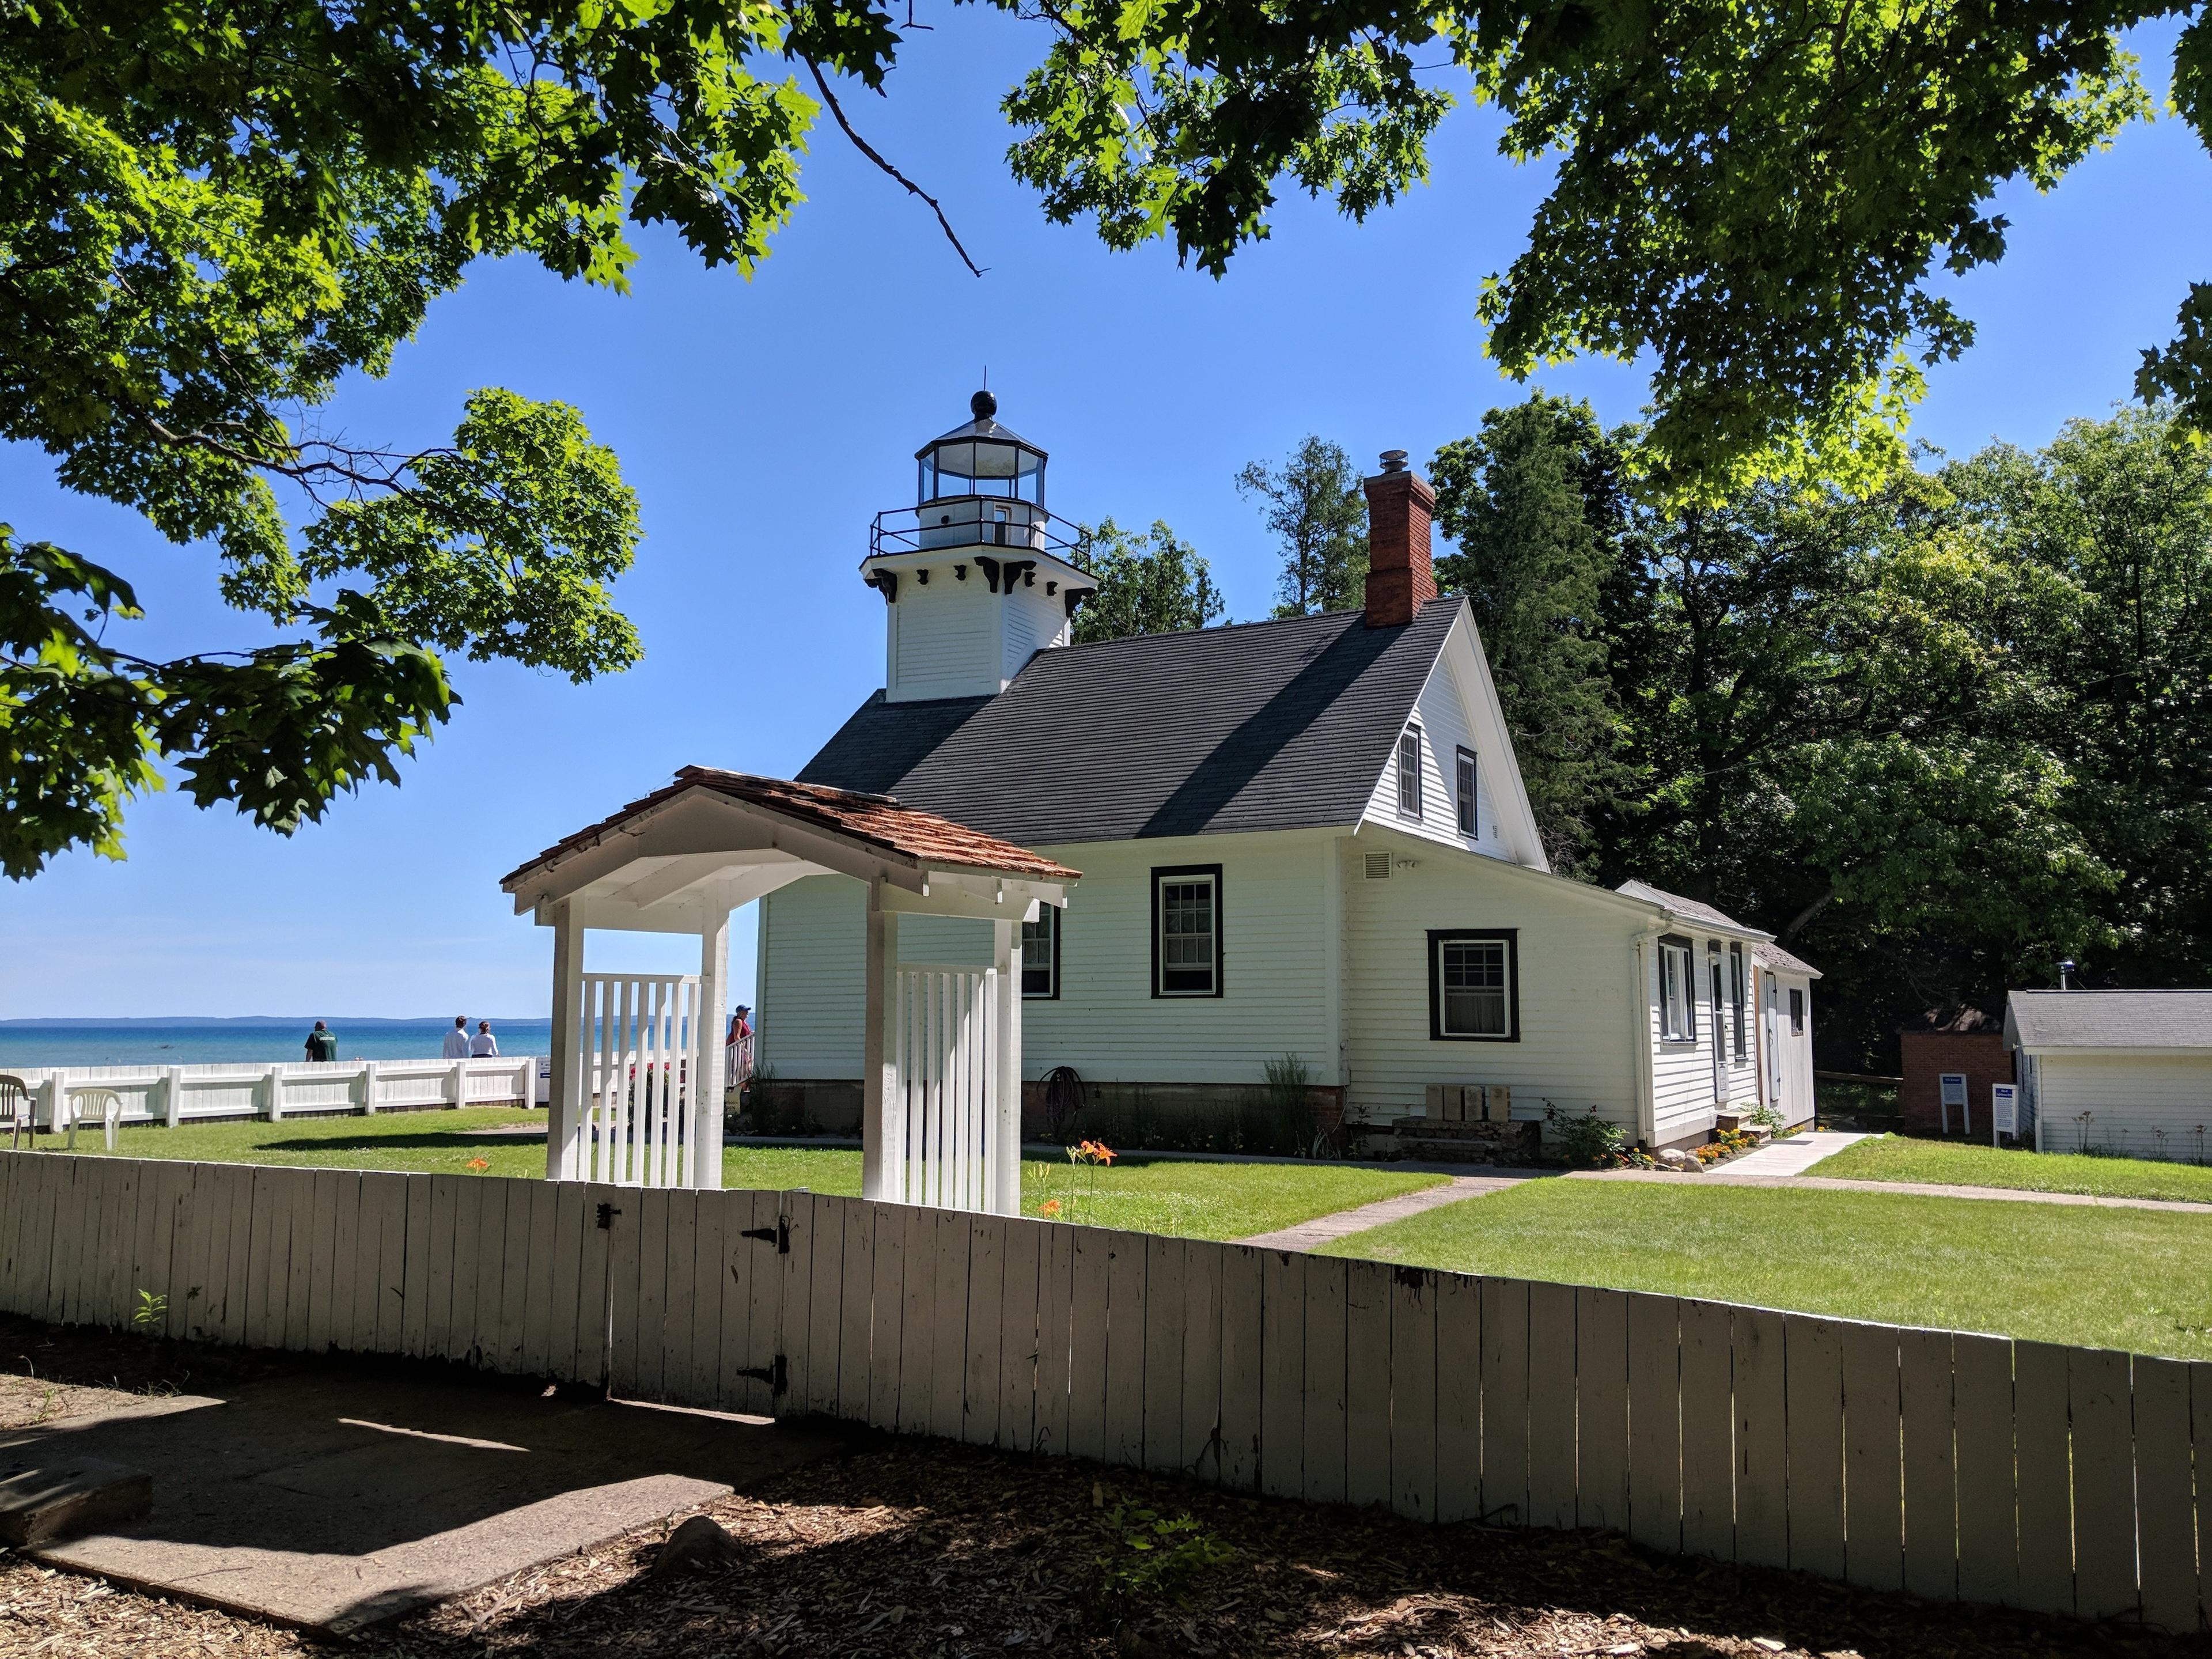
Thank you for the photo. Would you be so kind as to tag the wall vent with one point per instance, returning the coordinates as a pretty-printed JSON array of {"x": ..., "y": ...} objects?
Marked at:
[{"x": 1378, "y": 866}]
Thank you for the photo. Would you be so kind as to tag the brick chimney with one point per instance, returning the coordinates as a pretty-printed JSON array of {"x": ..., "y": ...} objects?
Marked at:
[{"x": 1400, "y": 579}]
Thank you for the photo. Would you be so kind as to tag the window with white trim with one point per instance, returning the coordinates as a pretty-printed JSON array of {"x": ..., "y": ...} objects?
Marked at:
[
  {"x": 1409, "y": 772},
  {"x": 1475, "y": 993},
  {"x": 1463, "y": 781},
  {"x": 1040, "y": 955},
  {"x": 1678, "y": 991},
  {"x": 1737, "y": 1039},
  {"x": 1187, "y": 931},
  {"x": 1796, "y": 1012}
]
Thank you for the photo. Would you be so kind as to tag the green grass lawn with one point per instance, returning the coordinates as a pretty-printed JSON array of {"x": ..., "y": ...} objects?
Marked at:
[
  {"x": 1156, "y": 1195},
  {"x": 1895, "y": 1157},
  {"x": 2118, "y": 1279}
]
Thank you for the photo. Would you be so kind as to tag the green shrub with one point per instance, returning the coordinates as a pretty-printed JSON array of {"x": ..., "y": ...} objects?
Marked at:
[
  {"x": 1146, "y": 1554},
  {"x": 1583, "y": 1140}
]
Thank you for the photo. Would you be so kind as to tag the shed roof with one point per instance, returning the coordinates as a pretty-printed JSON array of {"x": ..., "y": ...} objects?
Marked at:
[
  {"x": 1689, "y": 910},
  {"x": 1261, "y": 725},
  {"x": 875, "y": 819},
  {"x": 1768, "y": 953},
  {"x": 2111, "y": 1019}
]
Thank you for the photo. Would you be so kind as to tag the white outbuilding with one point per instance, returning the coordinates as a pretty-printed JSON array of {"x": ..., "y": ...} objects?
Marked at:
[{"x": 2125, "y": 1072}]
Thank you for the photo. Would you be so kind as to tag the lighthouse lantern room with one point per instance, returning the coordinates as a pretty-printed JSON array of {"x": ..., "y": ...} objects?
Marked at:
[{"x": 976, "y": 577}]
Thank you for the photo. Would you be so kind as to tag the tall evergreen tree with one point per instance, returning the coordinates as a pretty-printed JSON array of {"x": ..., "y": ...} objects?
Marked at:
[
  {"x": 1314, "y": 504},
  {"x": 1536, "y": 507},
  {"x": 1148, "y": 583}
]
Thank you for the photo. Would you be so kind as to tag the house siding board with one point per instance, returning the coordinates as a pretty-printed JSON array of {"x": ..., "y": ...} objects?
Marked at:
[
  {"x": 1574, "y": 1048},
  {"x": 1106, "y": 1023},
  {"x": 1270, "y": 725},
  {"x": 1686, "y": 1093},
  {"x": 2129, "y": 1098},
  {"x": 1446, "y": 729},
  {"x": 1274, "y": 916},
  {"x": 944, "y": 640}
]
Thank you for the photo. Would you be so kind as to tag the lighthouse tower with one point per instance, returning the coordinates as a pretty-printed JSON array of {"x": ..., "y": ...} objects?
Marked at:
[{"x": 977, "y": 576}]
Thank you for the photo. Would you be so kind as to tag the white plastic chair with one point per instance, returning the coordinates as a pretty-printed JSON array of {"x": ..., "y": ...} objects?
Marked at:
[
  {"x": 83, "y": 1101},
  {"x": 15, "y": 1110}
]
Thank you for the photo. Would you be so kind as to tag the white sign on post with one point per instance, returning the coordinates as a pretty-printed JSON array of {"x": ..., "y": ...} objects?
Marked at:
[{"x": 2004, "y": 1110}]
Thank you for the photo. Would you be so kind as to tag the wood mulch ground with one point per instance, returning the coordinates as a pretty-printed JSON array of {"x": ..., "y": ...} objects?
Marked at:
[{"x": 921, "y": 1548}]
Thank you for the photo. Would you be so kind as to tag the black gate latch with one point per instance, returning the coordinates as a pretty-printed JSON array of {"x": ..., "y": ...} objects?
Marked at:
[
  {"x": 607, "y": 1214},
  {"x": 776, "y": 1375},
  {"x": 779, "y": 1235}
]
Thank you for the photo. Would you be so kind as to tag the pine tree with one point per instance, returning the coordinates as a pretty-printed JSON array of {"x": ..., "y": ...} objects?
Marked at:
[
  {"x": 1315, "y": 507},
  {"x": 1536, "y": 507}
]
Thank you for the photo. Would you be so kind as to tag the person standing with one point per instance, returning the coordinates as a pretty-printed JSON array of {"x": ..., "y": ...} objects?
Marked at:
[
  {"x": 322, "y": 1043},
  {"x": 484, "y": 1044},
  {"x": 737, "y": 1066},
  {"x": 457, "y": 1040}
]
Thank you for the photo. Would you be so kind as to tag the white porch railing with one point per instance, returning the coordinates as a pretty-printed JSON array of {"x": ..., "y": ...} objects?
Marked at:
[
  {"x": 640, "y": 1042},
  {"x": 944, "y": 1038},
  {"x": 275, "y": 1089}
]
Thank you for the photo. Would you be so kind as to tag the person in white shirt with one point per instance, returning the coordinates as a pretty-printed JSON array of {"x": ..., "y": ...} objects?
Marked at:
[
  {"x": 457, "y": 1040},
  {"x": 484, "y": 1043}
]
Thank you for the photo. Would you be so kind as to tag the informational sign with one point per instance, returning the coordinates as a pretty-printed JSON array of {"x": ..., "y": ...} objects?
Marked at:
[{"x": 2004, "y": 1110}]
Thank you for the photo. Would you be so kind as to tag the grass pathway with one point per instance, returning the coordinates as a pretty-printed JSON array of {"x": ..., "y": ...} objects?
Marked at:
[
  {"x": 2099, "y": 1276},
  {"x": 1179, "y": 1196}
]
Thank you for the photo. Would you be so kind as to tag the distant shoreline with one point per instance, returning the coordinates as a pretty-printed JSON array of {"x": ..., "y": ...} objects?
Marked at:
[{"x": 287, "y": 1020}]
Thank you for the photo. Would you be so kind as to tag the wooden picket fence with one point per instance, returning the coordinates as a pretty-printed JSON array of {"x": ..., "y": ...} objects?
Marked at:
[{"x": 1955, "y": 1466}]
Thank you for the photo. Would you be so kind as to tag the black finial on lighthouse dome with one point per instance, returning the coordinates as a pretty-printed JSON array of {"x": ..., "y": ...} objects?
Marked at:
[{"x": 983, "y": 405}]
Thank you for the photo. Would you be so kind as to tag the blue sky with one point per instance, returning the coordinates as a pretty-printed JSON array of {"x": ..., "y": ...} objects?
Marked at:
[{"x": 763, "y": 423}]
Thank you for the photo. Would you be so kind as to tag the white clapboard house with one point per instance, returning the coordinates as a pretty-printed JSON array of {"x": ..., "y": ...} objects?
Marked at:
[{"x": 1306, "y": 837}]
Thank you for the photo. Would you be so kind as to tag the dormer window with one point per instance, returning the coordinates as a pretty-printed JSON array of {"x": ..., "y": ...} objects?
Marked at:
[{"x": 1409, "y": 772}]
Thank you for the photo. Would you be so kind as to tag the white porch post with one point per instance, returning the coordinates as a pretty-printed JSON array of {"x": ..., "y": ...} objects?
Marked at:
[
  {"x": 704, "y": 1133},
  {"x": 883, "y": 1141},
  {"x": 1005, "y": 1144},
  {"x": 565, "y": 1097}
]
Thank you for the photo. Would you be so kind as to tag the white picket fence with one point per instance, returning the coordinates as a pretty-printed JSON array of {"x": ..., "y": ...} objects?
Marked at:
[
  {"x": 277, "y": 1089},
  {"x": 942, "y": 1036},
  {"x": 639, "y": 1041}
]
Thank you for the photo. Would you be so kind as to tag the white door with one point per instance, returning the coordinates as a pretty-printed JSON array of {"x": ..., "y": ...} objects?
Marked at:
[
  {"x": 1720, "y": 1041},
  {"x": 1772, "y": 1044}
]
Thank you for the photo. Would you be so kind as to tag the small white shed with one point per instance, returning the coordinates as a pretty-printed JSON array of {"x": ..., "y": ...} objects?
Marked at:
[
  {"x": 1785, "y": 999},
  {"x": 2126, "y": 1072}
]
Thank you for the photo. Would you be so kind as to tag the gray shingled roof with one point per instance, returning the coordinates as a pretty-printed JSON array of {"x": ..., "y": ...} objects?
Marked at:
[
  {"x": 1767, "y": 951},
  {"x": 1690, "y": 909},
  {"x": 2112, "y": 1020},
  {"x": 1264, "y": 726}
]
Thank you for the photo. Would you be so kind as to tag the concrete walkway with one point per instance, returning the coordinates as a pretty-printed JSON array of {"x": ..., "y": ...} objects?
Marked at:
[
  {"x": 1794, "y": 1156},
  {"x": 335, "y": 1494},
  {"x": 1310, "y": 1235}
]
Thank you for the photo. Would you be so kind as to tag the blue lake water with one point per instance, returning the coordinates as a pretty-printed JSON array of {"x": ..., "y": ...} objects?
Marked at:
[{"x": 133, "y": 1042}]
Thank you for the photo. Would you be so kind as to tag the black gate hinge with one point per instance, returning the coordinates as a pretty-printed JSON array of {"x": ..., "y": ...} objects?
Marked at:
[
  {"x": 776, "y": 1374},
  {"x": 606, "y": 1217},
  {"x": 779, "y": 1234}
]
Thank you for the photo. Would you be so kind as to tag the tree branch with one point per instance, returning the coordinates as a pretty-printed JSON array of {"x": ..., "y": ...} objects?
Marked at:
[{"x": 870, "y": 151}]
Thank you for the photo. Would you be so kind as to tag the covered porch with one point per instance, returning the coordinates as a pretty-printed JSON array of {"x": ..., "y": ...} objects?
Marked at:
[{"x": 638, "y": 1080}]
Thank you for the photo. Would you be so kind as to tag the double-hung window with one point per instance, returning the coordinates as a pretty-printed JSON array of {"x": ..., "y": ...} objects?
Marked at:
[
  {"x": 1463, "y": 789},
  {"x": 1678, "y": 992},
  {"x": 1475, "y": 991},
  {"x": 1735, "y": 999},
  {"x": 1409, "y": 772},
  {"x": 1187, "y": 931},
  {"x": 1040, "y": 955}
]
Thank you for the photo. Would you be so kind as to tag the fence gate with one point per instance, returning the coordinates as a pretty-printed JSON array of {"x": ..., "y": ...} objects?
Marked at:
[
  {"x": 639, "y": 1043},
  {"x": 943, "y": 1040}
]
